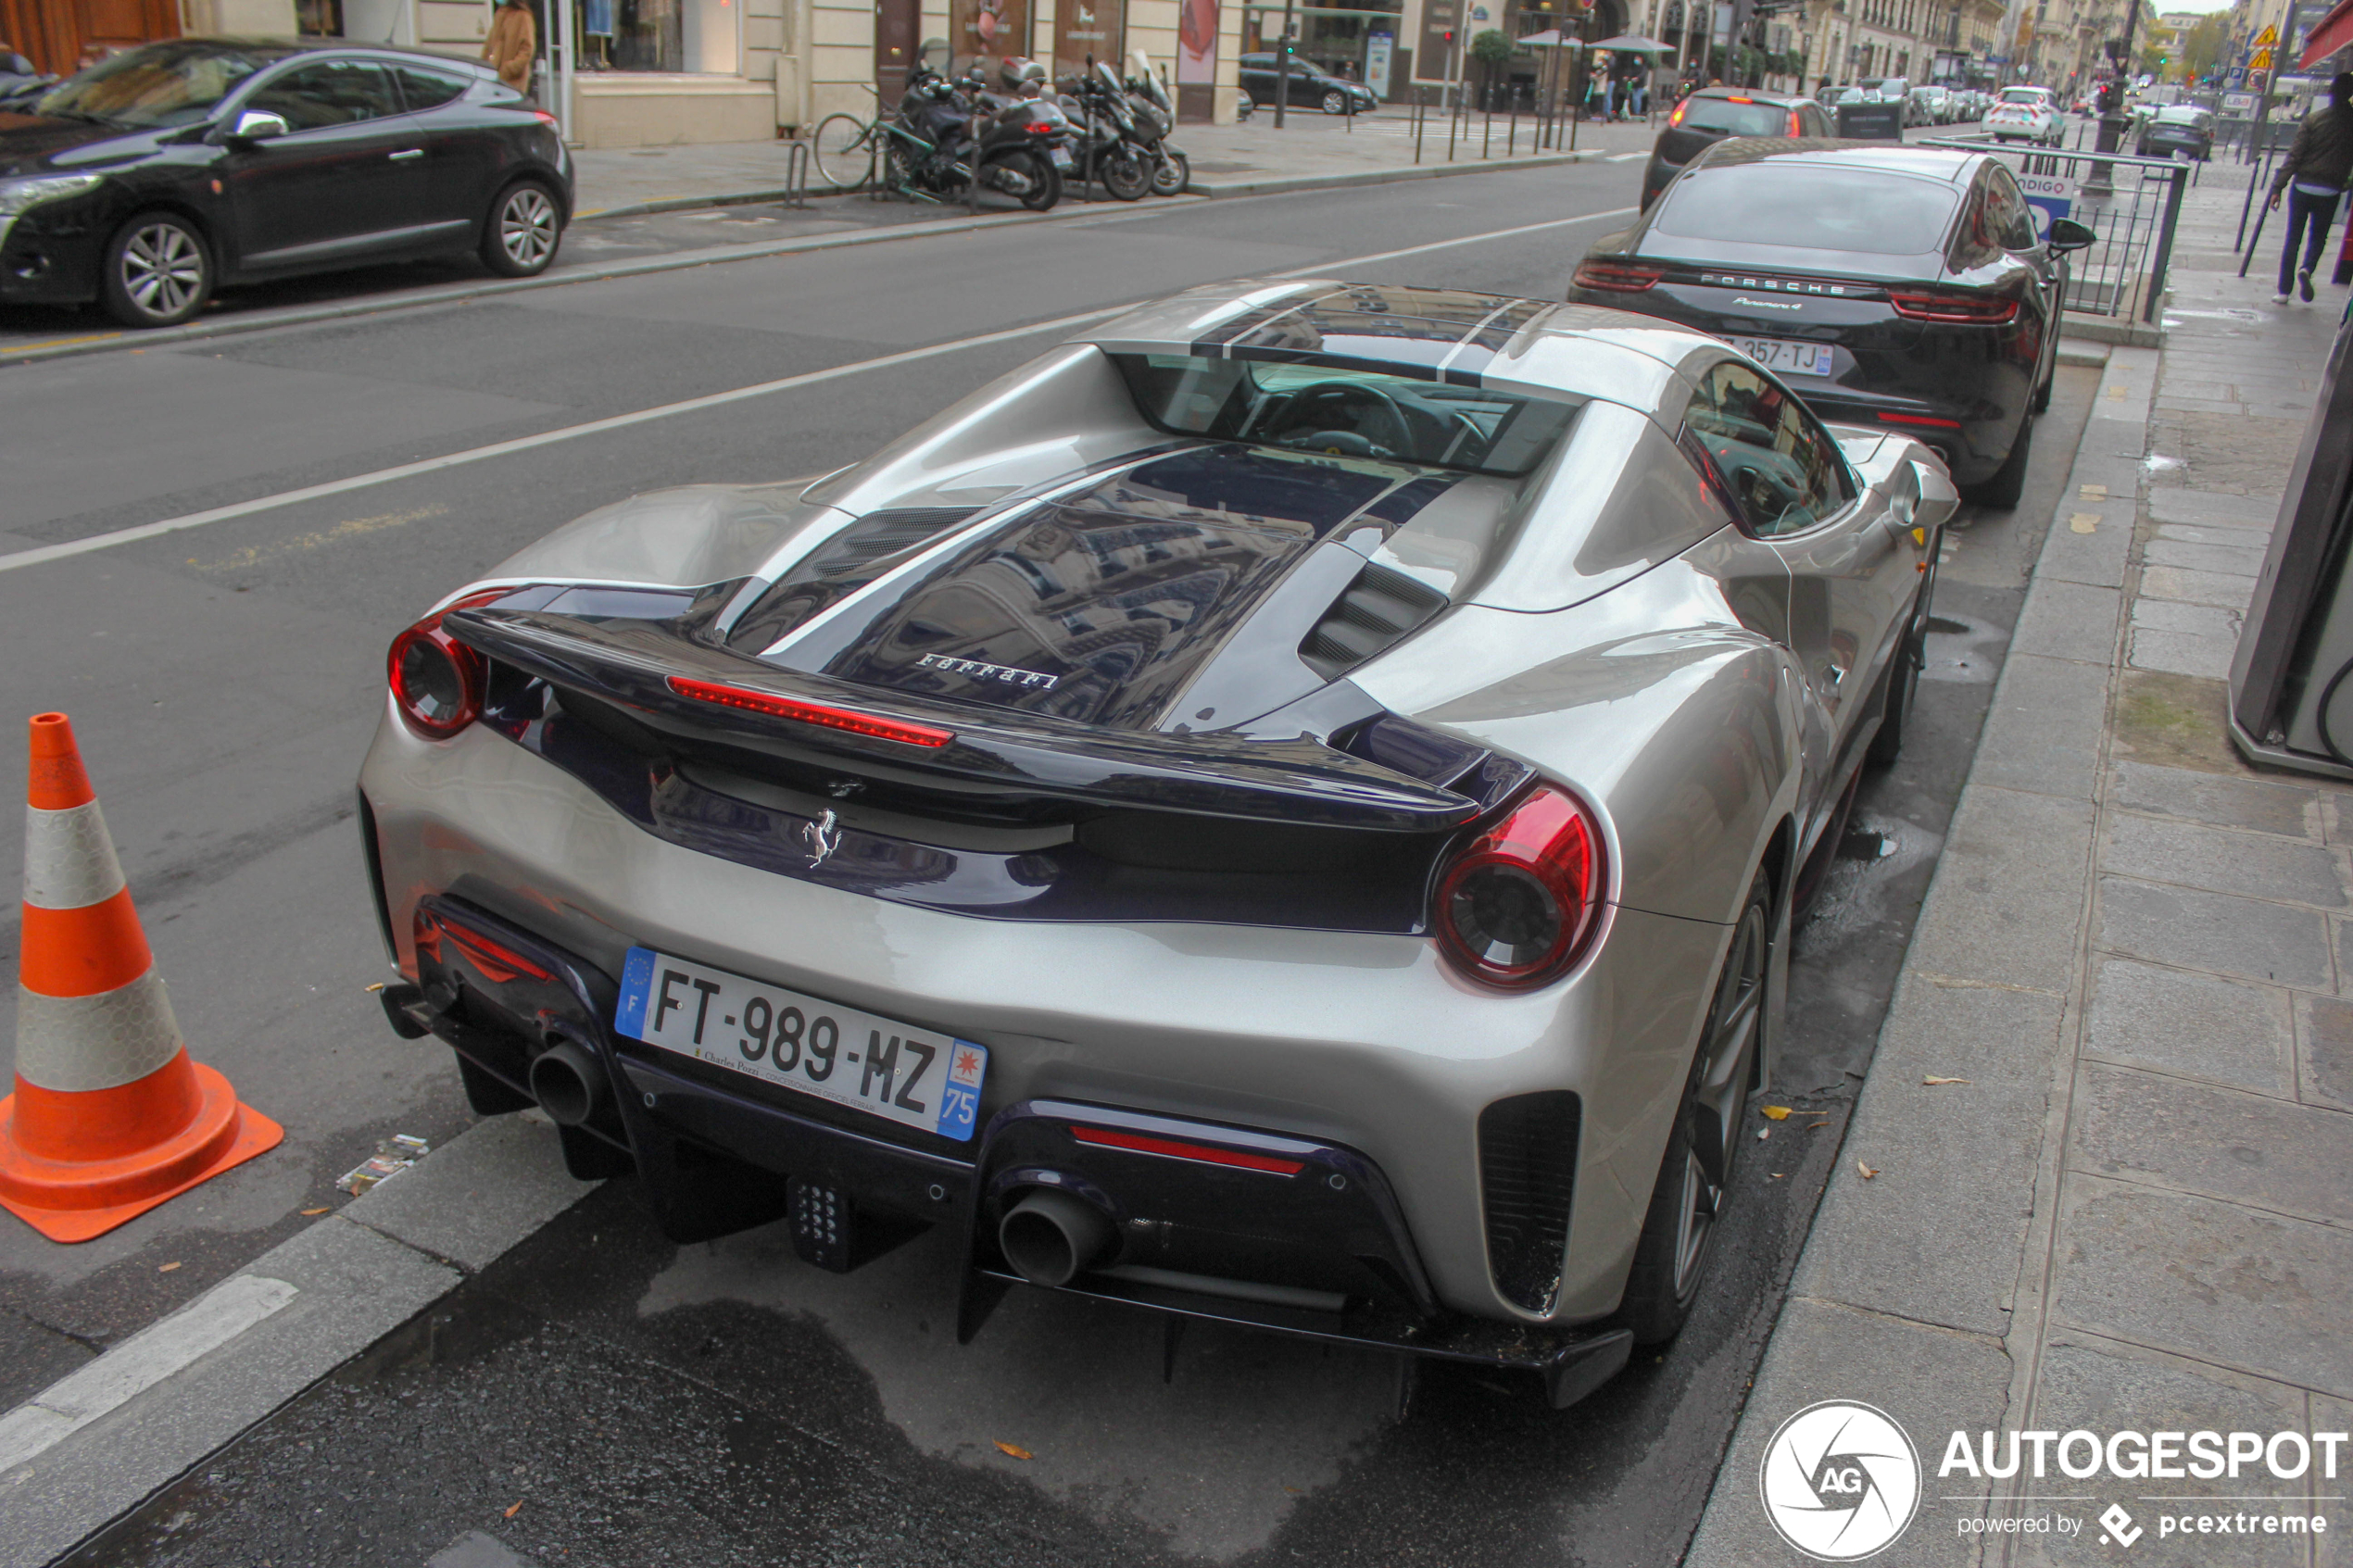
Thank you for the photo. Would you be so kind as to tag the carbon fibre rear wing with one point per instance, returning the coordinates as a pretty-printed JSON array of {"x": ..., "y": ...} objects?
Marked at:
[{"x": 1014, "y": 758}]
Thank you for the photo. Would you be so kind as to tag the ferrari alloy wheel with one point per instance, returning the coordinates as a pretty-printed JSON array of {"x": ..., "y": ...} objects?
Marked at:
[
  {"x": 524, "y": 230},
  {"x": 1687, "y": 1203},
  {"x": 158, "y": 271}
]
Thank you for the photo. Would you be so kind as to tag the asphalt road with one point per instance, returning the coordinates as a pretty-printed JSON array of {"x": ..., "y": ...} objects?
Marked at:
[{"x": 724, "y": 1404}]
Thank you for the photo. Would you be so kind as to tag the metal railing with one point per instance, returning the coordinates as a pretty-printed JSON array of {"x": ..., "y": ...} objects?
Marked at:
[{"x": 2132, "y": 203}]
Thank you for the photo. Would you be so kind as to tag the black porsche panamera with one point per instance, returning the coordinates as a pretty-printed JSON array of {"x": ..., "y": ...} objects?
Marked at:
[
  {"x": 149, "y": 180},
  {"x": 1895, "y": 286}
]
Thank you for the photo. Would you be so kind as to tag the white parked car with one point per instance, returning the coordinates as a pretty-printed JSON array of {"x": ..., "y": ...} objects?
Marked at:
[{"x": 2025, "y": 114}]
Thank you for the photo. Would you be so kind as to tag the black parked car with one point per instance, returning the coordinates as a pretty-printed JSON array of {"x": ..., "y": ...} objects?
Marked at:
[
  {"x": 148, "y": 181},
  {"x": 1901, "y": 287},
  {"x": 1712, "y": 114},
  {"x": 2178, "y": 129},
  {"x": 1310, "y": 85}
]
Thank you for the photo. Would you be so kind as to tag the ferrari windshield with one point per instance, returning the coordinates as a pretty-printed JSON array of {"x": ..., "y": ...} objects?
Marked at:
[
  {"x": 175, "y": 83},
  {"x": 1344, "y": 412}
]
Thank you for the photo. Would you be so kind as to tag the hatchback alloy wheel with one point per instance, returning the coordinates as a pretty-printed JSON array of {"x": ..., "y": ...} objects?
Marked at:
[
  {"x": 527, "y": 228},
  {"x": 162, "y": 271}
]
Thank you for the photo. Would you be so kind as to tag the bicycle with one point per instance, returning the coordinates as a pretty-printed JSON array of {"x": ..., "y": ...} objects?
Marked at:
[{"x": 845, "y": 148}]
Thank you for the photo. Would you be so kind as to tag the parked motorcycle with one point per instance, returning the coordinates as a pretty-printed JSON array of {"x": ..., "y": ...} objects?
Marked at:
[
  {"x": 1155, "y": 116},
  {"x": 1108, "y": 146},
  {"x": 939, "y": 138}
]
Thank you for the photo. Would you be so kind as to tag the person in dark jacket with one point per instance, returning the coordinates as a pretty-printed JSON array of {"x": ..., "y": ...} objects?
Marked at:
[{"x": 2313, "y": 179}]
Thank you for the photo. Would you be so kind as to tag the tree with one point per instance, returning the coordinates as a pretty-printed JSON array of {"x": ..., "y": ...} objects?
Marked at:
[
  {"x": 2201, "y": 49},
  {"x": 1492, "y": 50}
]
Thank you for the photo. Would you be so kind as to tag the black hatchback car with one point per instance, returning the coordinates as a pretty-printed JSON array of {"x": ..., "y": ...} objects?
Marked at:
[
  {"x": 2178, "y": 130},
  {"x": 148, "y": 181},
  {"x": 1310, "y": 86},
  {"x": 1901, "y": 287},
  {"x": 1714, "y": 114}
]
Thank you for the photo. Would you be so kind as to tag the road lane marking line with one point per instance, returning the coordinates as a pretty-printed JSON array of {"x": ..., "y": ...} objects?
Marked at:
[
  {"x": 43, "y": 554},
  {"x": 138, "y": 1364}
]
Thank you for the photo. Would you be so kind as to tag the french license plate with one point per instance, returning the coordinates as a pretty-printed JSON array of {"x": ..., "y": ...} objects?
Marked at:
[
  {"x": 914, "y": 1077},
  {"x": 1062, "y": 157},
  {"x": 1789, "y": 358}
]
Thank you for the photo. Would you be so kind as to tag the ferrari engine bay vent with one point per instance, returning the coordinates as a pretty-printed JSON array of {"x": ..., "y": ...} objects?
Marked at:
[{"x": 1379, "y": 609}]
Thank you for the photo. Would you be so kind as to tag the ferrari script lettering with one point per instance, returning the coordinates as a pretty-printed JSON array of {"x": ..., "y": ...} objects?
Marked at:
[{"x": 984, "y": 672}]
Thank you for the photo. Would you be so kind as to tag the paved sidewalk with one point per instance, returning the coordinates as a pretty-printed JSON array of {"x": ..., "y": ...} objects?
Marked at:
[
  {"x": 2132, "y": 1210},
  {"x": 1311, "y": 151}
]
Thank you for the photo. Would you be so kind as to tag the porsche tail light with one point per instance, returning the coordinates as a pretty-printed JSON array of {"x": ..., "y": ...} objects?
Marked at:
[
  {"x": 1618, "y": 277},
  {"x": 1518, "y": 904},
  {"x": 1924, "y": 305},
  {"x": 437, "y": 681}
]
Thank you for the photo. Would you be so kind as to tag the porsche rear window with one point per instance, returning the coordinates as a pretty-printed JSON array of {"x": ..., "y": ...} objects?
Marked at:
[
  {"x": 1810, "y": 205},
  {"x": 1343, "y": 411}
]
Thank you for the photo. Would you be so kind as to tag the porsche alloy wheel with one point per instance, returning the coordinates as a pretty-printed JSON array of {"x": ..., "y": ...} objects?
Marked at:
[
  {"x": 158, "y": 272},
  {"x": 1671, "y": 1257},
  {"x": 524, "y": 230}
]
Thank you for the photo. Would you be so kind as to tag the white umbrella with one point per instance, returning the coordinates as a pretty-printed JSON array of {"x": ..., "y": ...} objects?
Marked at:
[{"x": 1627, "y": 44}]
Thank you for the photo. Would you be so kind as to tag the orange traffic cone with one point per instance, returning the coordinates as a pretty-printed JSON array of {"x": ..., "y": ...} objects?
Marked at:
[{"x": 110, "y": 1117}]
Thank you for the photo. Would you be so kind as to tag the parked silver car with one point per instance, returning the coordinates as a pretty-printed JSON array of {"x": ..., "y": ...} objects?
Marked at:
[{"x": 1286, "y": 808}]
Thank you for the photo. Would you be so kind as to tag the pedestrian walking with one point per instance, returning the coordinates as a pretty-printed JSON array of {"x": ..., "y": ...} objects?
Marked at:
[
  {"x": 512, "y": 46},
  {"x": 2312, "y": 179}
]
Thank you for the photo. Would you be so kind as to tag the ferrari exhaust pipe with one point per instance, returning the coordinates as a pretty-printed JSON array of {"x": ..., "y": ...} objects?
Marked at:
[
  {"x": 1050, "y": 1238},
  {"x": 568, "y": 1082}
]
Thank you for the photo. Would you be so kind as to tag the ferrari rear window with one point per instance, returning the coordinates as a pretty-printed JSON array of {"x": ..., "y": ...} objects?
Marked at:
[
  {"x": 1810, "y": 205},
  {"x": 1344, "y": 411}
]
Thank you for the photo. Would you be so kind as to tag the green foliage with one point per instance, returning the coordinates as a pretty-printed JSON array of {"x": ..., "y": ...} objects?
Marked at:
[{"x": 1490, "y": 47}]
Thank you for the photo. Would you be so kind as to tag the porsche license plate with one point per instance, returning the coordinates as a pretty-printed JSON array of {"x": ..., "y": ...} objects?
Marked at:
[
  {"x": 1789, "y": 358},
  {"x": 915, "y": 1077}
]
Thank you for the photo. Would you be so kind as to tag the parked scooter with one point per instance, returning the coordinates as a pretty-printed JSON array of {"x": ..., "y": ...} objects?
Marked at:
[
  {"x": 1155, "y": 118},
  {"x": 1108, "y": 146},
  {"x": 939, "y": 139}
]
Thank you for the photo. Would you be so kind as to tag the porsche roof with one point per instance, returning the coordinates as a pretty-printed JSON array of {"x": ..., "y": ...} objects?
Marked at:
[{"x": 1537, "y": 347}]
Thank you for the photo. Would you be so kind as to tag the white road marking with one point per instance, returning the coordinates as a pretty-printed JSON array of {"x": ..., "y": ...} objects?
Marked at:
[
  {"x": 43, "y": 554},
  {"x": 138, "y": 1364}
]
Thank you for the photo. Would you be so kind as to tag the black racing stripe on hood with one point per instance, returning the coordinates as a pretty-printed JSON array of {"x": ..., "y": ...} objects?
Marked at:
[{"x": 1101, "y": 607}]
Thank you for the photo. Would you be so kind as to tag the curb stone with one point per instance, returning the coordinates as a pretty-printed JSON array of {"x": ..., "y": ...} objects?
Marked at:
[
  {"x": 344, "y": 1282},
  {"x": 1903, "y": 1298}
]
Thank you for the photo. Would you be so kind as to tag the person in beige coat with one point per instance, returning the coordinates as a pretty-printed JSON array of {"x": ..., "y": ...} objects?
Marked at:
[{"x": 513, "y": 44}]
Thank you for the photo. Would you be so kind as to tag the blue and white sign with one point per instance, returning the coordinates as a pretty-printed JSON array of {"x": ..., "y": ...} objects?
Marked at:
[{"x": 2051, "y": 195}]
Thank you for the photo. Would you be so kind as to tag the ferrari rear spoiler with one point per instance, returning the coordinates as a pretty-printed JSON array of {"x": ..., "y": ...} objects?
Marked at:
[{"x": 641, "y": 666}]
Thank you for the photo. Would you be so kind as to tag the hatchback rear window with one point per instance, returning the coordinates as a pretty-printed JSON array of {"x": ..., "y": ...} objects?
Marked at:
[
  {"x": 1808, "y": 206},
  {"x": 1735, "y": 119}
]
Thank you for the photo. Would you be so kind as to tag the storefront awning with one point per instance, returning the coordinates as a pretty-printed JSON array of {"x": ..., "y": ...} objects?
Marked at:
[
  {"x": 2334, "y": 33},
  {"x": 1629, "y": 43}
]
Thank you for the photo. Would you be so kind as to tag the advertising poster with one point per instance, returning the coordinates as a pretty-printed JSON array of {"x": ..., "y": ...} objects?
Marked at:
[
  {"x": 987, "y": 31},
  {"x": 1197, "y": 42},
  {"x": 1085, "y": 28},
  {"x": 1377, "y": 49}
]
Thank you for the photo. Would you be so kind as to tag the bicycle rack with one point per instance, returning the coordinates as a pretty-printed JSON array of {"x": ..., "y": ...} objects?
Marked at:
[{"x": 796, "y": 173}]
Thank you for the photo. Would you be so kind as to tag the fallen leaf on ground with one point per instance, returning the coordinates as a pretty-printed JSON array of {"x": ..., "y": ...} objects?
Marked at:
[
  {"x": 1012, "y": 1452},
  {"x": 377, "y": 986},
  {"x": 2085, "y": 522},
  {"x": 1777, "y": 1175},
  {"x": 514, "y": 1509},
  {"x": 1932, "y": 1083},
  {"x": 1867, "y": 1172},
  {"x": 1764, "y": 1132},
  {"x": 1775, "y": 1112},
  {"x": 165, "y": 1268},
  {"x": 307, "y": 1212}
]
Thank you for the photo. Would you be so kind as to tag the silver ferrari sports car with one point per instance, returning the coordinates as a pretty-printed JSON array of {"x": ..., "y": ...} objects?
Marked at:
[{"x": 1286, "y": 809}]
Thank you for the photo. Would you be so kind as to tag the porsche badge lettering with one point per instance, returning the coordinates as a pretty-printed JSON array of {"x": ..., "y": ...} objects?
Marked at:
[
  {"x": 983, "y": 671},
  {"x": 1787, "y": 285}
]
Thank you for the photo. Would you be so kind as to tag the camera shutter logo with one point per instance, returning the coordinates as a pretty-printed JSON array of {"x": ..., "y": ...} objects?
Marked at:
[{"x": 1840, "y": 1481}]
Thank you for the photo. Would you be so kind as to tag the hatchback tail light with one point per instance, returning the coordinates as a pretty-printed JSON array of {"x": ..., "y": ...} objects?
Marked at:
[
  {"x": 1519, "y": 904},
  {"x": 437, "y": 681},
  {"x": 1922, "y": 305},
  {"x": 1793, "y": 127},
  {"x": 1618, "y": 277},
  {"x": 1680, "y": 110}
]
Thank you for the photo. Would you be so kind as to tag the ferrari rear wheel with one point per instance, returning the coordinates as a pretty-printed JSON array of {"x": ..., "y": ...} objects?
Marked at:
[{"x": 1687, "y": 1203}]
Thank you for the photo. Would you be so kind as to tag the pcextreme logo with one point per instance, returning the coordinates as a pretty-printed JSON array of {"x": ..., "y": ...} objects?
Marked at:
[{"x": 1840, "y": 1481}]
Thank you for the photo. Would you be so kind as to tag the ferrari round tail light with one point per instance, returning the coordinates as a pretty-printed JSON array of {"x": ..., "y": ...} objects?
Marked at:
[
  {"x": 1618, "y": 277},
  {"x": 437, "y": 681},
  {"x": 1518, "y": 905}
]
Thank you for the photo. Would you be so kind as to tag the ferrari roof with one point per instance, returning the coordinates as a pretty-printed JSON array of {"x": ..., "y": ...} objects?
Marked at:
[{"x": 1537, "y": 347}]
